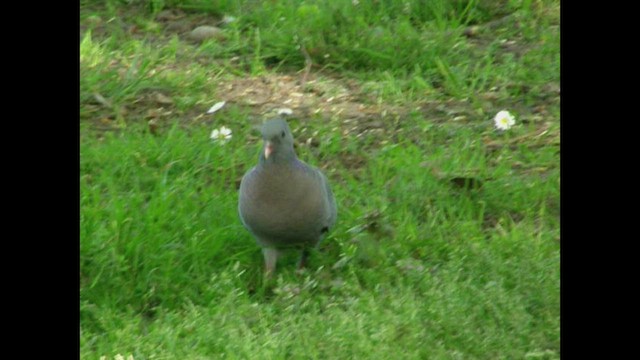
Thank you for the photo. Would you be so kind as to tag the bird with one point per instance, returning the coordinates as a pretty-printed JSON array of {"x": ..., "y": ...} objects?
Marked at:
[{"x": 284, "y": 202}]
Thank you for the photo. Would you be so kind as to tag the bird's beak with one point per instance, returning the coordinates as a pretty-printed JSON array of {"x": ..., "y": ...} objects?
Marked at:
[{"x": 268, "y": 149}]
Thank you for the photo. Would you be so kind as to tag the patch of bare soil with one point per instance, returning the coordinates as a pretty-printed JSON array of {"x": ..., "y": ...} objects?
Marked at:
[
  {"x": 340, "y": 102},
  {"x": 320, "y": 97}
]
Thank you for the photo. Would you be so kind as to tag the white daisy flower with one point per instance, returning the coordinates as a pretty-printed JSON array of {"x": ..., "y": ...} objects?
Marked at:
[
  {"x": 504, "y": 120},
  {"x": 221, "y": 135}
]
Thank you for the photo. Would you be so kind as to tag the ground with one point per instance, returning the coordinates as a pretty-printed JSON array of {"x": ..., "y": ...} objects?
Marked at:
[{"x": 447, "y": 243}]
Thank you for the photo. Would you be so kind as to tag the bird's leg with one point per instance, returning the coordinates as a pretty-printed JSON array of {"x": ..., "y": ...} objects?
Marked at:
[
  {"x": 270, "y": 259},
  {"x": 303, "y": 259}
]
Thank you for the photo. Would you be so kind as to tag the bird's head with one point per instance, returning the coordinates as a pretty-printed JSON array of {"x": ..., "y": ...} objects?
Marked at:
[{"x": 278, "y": 141}]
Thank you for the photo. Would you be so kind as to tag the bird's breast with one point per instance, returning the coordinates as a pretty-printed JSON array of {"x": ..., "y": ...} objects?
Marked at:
[{"x": 282, "y": 204}]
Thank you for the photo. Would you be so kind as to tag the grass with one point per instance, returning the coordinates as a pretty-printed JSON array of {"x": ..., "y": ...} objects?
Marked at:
[{"x": 418, "y": 266}]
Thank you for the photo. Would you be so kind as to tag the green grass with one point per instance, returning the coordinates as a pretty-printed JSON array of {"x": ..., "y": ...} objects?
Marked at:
[{"x": 417, "y": 267}]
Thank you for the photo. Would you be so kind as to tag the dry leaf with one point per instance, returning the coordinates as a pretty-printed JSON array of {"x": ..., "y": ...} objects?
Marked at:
[
  {"x": 163, "y": 99},
  {"x": 153, "y": 126},
  {"x": 102, "y": 101},
  {"x": 216, "y": 107}
]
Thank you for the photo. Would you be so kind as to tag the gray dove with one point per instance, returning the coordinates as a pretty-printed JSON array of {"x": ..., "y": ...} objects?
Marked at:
[{"x": 283, "y": 202}]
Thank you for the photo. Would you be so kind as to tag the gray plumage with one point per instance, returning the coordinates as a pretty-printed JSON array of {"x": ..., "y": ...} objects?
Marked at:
[{"x": 284, "y": 202}]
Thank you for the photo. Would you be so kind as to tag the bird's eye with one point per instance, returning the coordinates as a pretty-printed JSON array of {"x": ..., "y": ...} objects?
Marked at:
[{"x": 282, "y": 134}]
